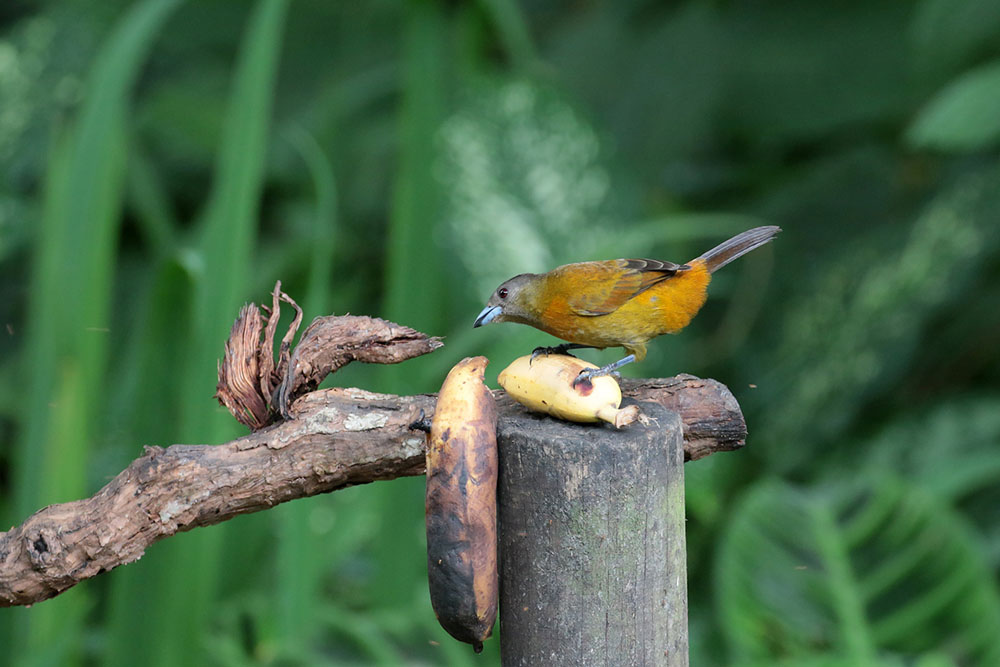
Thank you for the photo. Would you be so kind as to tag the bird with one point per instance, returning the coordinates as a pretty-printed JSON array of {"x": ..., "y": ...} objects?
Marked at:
[{"x": 615, "y": 303}]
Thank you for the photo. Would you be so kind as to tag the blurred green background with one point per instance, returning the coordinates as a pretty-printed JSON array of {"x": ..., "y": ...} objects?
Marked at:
[{"x": 162, "y": 162}]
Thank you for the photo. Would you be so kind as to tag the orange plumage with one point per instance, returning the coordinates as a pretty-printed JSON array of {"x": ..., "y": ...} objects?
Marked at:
[{"x": 618, "y": 302}]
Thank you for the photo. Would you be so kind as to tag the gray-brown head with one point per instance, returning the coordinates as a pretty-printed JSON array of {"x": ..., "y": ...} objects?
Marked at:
[{"x": 512, "y": 302}]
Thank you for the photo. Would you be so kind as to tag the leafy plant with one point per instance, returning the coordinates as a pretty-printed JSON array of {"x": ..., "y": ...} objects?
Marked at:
[
  {"x": 863, "y": 572},
  {"x": 961, "y": 117}
]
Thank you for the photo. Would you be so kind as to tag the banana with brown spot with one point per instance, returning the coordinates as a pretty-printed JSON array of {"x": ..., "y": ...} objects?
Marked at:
[{"x": 545, "y": 384}]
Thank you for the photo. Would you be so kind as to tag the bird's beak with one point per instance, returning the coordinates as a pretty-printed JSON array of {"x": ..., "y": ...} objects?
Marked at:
[{"x": 488, "y": 315}]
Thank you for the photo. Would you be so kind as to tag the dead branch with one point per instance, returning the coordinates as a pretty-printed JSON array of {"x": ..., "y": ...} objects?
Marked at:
[
  {"x": 258, "y": 391},
  {"x": 330, "y": 343},
  {"x": 337, "y": 438}
]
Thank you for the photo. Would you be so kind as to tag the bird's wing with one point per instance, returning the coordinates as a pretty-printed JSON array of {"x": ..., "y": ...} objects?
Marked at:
[{"x": 611, "y": 284}]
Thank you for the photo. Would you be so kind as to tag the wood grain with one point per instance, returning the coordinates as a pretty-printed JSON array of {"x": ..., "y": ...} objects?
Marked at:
[{"x": 592, "y": 549}]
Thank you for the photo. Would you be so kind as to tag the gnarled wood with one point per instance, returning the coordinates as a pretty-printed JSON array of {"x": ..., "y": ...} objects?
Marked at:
[{"x": 338, "y": 438}]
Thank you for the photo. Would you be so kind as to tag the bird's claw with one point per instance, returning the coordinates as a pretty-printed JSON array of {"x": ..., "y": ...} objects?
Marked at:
[
  {"x": 591, "y": 373},
  {"x": 558, "y": 349},
  {"x": 584, "y": 376}
]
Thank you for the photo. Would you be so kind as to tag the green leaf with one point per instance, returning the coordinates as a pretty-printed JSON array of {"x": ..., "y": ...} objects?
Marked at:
[
  {"x": 513, "y": 32},
  {"x": 962, "y": 117},
  {"x": 416, "y": 274},
  {"x": 872, "y": 304},
  {"x": 220, "y": 268},
  {"x": 324, "y": 222},
  {"x": 68, "y": 329},
  {"x": 528, "y": 188},
  {"x": 952, "y": 449},
  {"x": 862, "y": 572},
  {"x": 299, "y": 565}
]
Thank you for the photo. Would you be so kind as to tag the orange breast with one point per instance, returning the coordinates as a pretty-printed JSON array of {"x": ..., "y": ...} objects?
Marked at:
[{"x": 667, "y": 307}]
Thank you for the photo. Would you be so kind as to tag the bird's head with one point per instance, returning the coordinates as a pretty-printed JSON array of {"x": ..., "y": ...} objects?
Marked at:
[{"x": 511, "y": 302}]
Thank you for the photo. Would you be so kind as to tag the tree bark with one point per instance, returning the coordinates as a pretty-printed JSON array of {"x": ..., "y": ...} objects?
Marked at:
[
  {"x": 337, "y": 438},
  {"x": 593, "y": 568}
]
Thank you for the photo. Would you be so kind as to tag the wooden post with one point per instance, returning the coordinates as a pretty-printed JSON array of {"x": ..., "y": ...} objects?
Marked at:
[{"x": 592, "y": 542}]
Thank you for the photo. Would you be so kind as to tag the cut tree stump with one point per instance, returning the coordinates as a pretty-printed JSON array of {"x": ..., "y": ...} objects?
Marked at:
[{"x": 592, "y": 547}]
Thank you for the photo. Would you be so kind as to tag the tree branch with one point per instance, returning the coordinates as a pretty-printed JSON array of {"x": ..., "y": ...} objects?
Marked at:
[{"x": 337, "y": 438}]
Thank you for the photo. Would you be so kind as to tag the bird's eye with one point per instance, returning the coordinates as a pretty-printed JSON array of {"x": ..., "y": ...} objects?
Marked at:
[{"x": 502, "y": 292}]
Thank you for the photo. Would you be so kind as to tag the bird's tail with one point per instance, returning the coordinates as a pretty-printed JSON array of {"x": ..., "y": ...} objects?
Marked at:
[{"x": 739, "y": 245}]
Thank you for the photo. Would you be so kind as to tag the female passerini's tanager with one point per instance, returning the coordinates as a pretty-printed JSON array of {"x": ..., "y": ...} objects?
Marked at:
[{"x": 619, "y": 302}]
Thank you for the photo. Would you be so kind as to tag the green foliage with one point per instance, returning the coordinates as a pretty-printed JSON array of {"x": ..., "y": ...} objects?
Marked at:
[
  {"x": 530, "y": 189},
  {"x": 871, "y": 305},
  {"x": 163, "y": 162},
  {"x": 862, "y": 572},
  {"x": 68, "y": 320},
  {"x": 948, "y": 34},
  {"x": 962, "y": 117}
]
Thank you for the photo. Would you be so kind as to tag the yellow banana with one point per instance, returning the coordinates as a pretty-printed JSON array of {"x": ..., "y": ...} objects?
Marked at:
[{"x": 545, "y": 384}]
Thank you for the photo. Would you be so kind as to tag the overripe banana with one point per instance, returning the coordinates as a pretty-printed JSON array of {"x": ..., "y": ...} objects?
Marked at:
[{"x": 461, "y": 505}]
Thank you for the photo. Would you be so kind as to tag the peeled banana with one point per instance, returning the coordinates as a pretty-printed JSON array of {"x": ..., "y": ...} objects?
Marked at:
[
  {"x": 461, "y": 505},
  {"x": 545, "y": 384}
]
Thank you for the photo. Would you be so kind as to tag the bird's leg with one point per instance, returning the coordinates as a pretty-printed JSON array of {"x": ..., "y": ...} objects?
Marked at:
[
  {"x": 603, "y": 370},
  {"x": 562, "y": 348}
]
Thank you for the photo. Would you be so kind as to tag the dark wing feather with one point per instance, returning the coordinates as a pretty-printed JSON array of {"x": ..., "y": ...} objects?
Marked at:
[{"x": 614, "y": 283}]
